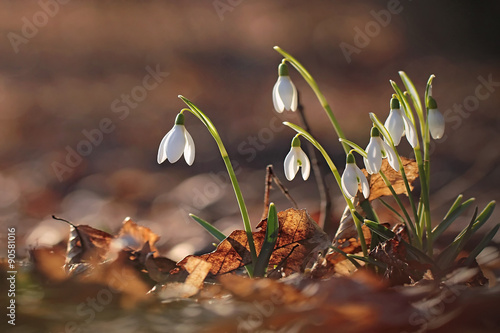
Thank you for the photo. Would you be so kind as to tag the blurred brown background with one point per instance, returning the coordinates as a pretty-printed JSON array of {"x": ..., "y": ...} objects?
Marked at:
[{"x": 67, "y": 69}]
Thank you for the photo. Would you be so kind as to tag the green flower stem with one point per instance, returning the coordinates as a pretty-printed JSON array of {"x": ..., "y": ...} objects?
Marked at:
[
  {"x": 314, "y": 86},
  {"x": 336, "y": 174},
  {"x": 403, "y": 209},
  {"x": 237, "y": 191}
]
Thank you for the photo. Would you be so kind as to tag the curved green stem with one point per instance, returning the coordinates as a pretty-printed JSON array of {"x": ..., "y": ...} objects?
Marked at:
[
  {"x": 336, "y": 174},
  {"x": 237, "y": 191},
  {"x": 314, "y": 86}
]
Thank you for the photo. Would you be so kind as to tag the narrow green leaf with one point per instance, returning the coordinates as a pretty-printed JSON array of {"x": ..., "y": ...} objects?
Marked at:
[
  {"x": 482, "y": 244},
  {"x": 208, "y": 227},
  {"x": 354, "y": 262},
  {"x": 454, "y": 212},
  {"x": 401, "y": 218},
  {"x": 410, "y": 87},
  {"x": 269, "y": 242},
  {"x": 428, "y": 88},
  {"x": 403, "y": 100},
  {"x": 368, "y": 260},
  {"x": 380, "y": 230},
  {"x": 447, "y": 257},
  {"x": 354, "y": 146},
  {"x": 481, "y": 219}
]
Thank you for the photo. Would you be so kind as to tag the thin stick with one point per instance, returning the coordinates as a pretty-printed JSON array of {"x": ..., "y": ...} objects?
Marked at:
[
  {"x": 267, "y": 189},
  {"x": 325, "y": 216},
  {"x": 271, "y": 176}
]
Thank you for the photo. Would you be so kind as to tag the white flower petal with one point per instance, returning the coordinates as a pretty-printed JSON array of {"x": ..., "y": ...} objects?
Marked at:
[
  {"x": 162, "y": 150},
  {"x": 395, "y": 125},
  {"x": 287, "y": 93},
  {"x": 306, "y": 165},
  {"x": 364, "y": 183},
  {"x": 291, "y": 166},
  {"x": 410, "y": 132},
  {"x": 436, "y": 123},
  {"x": 277, "y": 102},
  {"x": 189, "y": 149},
  {"x": 373, "y": 161},
  {"x": 349, "y": 180},
  {"x": 391, "y": 156},
  {"x": 175, "y": 143}
]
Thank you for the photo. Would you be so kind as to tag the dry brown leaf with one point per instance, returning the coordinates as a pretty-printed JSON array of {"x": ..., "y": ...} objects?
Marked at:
[
  {"x": 136, "y": 236},
  {"x": 87, "y": 244},
  {"x": 198, "y": 270},
  {"x": 298, "y": 238},
  {"x": 158, "y": 267},
  {"x": 379, "y": 189}
]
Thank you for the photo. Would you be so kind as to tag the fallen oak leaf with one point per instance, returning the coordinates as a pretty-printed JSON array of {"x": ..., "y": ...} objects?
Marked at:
[
  {"x": 198, "y": 269},
  {"x": 298, "y": 238},
  {"x": 135, "y": 236},
  {"x": 86, "y": 244},
  {"x": 378, "y": 188}
]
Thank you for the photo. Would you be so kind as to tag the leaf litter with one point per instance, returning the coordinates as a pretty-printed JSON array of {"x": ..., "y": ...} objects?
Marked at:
[{"x": 99, "y": 279}]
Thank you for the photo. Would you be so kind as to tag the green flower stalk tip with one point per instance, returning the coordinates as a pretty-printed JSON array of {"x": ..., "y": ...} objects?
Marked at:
[
  {"x": 295, "y": 159},
  {"x": 176, "y": 142},
  {"x": 353, "y": 176},
  {"x": 296, "y": 141},
  {"x": 179, "y": 120},
  {"x": 431, "y": 102},
  {"x": 285, "y": 95},
  {"x": 395, "y": 103},
  {"x": 374, "y": 132},
  {"x": 283, "y": 69}
]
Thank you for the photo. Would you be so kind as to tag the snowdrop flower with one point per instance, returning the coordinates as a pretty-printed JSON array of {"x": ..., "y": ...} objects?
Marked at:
[
  {"x": 353, "y": 176},
  {"x": 175, "y": 142},
  {"x": 376, "y": 150},
  {"x": 398, "y": 124},
  {"x": 435, "y": 119},
  {"x": 296, "y": 158},
  {"x": 284, "y": 91}
]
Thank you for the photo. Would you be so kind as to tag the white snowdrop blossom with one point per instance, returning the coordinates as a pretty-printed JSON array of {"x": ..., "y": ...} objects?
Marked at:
[
  {"x": 284, "y": 92},
  {"x": 296, "y": 158},
  {"x": 376, "y": 150},
  {"x": 398, "y": 125},
  {"x": 176, "y": 142},
  {"x": 435, "y": 119},
  {"x": 353, "y": 176}
]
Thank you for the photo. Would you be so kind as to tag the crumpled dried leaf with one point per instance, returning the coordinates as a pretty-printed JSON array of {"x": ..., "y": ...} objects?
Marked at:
[
  {"x": 298, "y": 238},
  {"x": 135, "y": 236},
  {"x": 198, "y": 270},
  {"x": 87, "y": 244},
  {"x": 379, "y": 189}
]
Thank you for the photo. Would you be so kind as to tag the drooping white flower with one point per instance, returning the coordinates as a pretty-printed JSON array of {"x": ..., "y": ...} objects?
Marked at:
[
  {"x": 435, "y": 119},
  {"x": 176, "y": 142},
  {"x": 284, "y": 91},
  {"x": 296, "y": 158},
  {"x": 353, "y": 176},
  {"x": 398, "y": 125},
  {"x": 376, "y": 150}
]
